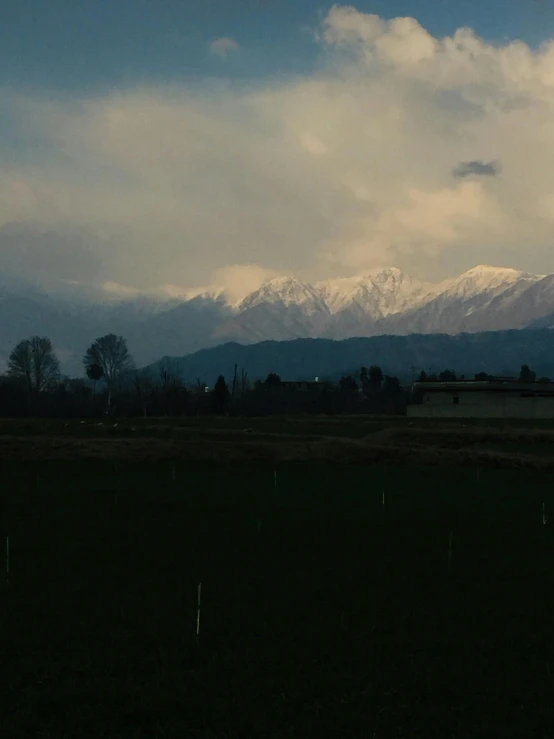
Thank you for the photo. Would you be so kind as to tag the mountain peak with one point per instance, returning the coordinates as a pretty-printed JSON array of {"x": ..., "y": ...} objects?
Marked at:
[
  {"x": 489, "y": 269},
  {"x": 485, "y": 277},
  {"x": 287, "y": 290},
  {"x": 378, "y": 293}
]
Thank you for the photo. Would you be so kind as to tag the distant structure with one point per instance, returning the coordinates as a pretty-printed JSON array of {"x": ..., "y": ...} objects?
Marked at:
[
  {"x": 495, "y": 398},
  {"x": 303, "y": 384}
]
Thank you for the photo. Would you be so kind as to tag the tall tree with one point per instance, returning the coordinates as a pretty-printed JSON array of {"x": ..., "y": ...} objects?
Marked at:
[
  {"x": 111, "y": 354},
  {"x": 34, "y": 362},
  {"x": 375, "y": 377},
  {"x": 272, "y": 380},
  {"x": 483, "y": 377},
  {"x": 348, "y": 384},
  {"x": 526, "y": 374},
  {"x": 221, "y": 395}
]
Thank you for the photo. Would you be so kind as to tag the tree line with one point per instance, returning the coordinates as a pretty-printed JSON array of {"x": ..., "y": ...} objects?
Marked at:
[{"x": 111, "y": 385}]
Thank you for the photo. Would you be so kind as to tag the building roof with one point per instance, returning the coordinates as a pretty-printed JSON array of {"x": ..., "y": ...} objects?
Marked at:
[{"x": 473, "y": 386}]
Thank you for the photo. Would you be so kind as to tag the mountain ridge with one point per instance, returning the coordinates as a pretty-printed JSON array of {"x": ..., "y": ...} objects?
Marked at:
[
  {"x": 383, "y": 301},
  {"x": 498, "y": 353}
]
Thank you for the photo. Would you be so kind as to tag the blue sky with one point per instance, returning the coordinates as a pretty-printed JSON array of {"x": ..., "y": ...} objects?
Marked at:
[{"x": 74, "y": 45}]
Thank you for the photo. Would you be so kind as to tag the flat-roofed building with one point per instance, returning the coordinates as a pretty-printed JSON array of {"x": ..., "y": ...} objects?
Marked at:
[{"x": 497, "y": 398}]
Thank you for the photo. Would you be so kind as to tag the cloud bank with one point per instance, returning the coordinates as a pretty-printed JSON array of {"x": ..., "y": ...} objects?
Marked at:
[{"x": 376, "y": 158}]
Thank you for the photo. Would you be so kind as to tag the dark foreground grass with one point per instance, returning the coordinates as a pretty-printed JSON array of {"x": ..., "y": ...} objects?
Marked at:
[
  {"x": 315, "y": 439},
  {"x": 324, "y": 613}
]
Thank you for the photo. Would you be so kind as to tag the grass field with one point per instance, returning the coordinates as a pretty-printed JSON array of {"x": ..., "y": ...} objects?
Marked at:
[
  {"x": 523, "y": 444},
  {"x": 324, "y": 612}
]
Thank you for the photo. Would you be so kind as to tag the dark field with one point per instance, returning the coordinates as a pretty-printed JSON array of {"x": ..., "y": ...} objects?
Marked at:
[
  {"x": 362, "y": 439},
  {"x": 324, "y": 613}
]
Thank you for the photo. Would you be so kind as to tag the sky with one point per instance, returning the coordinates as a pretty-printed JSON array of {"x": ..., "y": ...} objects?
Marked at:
[{"x": 158, "y": 145}]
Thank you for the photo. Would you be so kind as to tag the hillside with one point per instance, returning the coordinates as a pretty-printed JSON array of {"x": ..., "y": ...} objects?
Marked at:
[{"x": 496, "y": 352}]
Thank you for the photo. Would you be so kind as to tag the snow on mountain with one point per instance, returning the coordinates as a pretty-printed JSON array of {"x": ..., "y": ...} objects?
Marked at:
[
  {"x": 470, "y": 302},
  {"x": 484, "y": 279},
  {"x": 376, "y": 294},
  {"x": 382, "y": 301},
  {"x": 288, "y": 291}
]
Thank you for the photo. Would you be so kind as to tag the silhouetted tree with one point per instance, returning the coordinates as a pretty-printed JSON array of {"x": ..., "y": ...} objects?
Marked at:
[
  {"x": 526, "y": 374},
  {"x": 422, "y": 376},
  {"x": 482, "y": 377},
  {"x": 348, "y": 384},
  {"x": 375, "y": 377},
  {"x": 272, "y": 381},
  {"x": 34, "y": 362},
  {"x": 221, "y": 395},
  {"x": 371, "y": 379},
  {"x": 111, "y": 354},
  {"x": 447, "y": 376}
]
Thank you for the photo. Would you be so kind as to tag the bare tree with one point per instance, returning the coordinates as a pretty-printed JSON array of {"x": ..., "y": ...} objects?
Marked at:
[
  {"x": 111, "y": 354},
  {"x": 34, "y": 362}
]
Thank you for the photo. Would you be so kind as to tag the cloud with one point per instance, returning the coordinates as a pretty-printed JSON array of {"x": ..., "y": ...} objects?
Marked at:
[
  {"x": 330, "y": 173},
  {"x": 239, "y": 280},
  {"x": 465, "y": 169},
  {"x": 223, "y": 46}
]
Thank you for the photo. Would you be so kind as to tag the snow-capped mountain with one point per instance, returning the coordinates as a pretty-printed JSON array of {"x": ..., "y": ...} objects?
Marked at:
[
  {"x": 377, "y": 294},
  {"x": 382, "y": 301},
  {"x": 478, "y": 300},
  {"x": 485, "y": 279},
  {"x": 288, "y": 291}
]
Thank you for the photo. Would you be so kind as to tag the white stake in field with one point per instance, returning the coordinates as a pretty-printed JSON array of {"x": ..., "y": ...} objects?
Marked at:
[{"x": 198, "y": 610}]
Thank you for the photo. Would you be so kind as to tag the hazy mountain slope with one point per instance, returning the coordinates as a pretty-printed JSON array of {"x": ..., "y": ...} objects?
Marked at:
[
  {"x": 498, "y": 352},
  {"x": 185, "y": 328}
]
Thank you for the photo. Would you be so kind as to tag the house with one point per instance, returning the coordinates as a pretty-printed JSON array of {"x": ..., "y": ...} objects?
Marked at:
[{"x": 496, "y": 398}]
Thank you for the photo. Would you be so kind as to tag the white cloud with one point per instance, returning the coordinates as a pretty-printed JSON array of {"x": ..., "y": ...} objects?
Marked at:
[
  {"x": 223, "y": 46},
  {"x": 333, "y": 173},
  {"x": 238, "y": 280}
]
